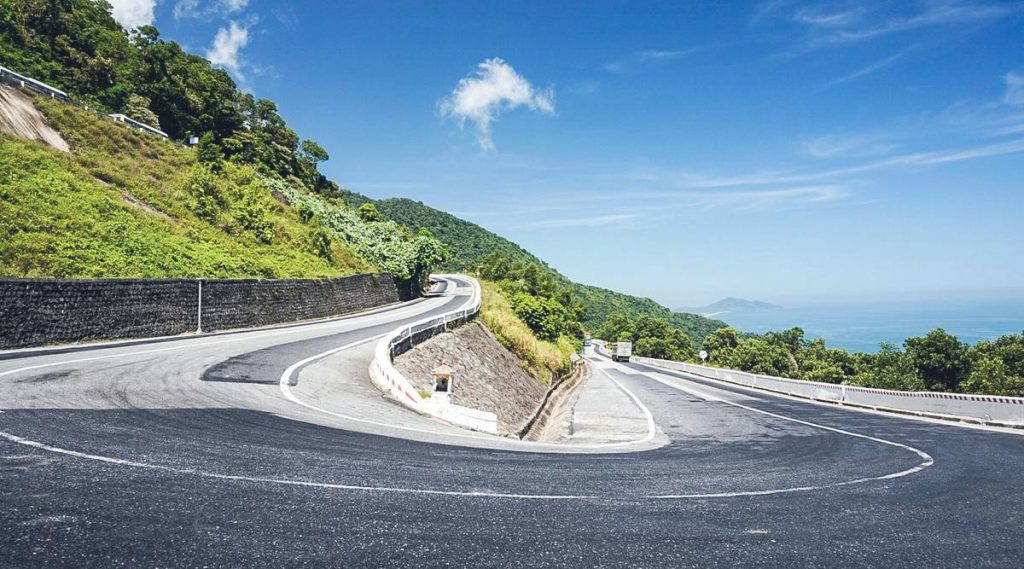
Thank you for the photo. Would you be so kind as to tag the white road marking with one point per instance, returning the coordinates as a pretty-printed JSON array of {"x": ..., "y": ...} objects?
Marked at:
[
  {"x": 926, "y": 459},
  {"x": 341, "y": 323},
  {"x": 854, "y": 408},
  {"x": 526, "y": 446}
]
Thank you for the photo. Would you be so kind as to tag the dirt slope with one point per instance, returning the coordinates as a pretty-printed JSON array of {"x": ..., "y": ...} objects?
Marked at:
[{"x": 19, "y": 117}]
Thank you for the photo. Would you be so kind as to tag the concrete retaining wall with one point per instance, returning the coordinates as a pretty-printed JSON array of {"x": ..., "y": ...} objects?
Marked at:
[
  {"x": 389, "y": 380},
  {"x": 52, "y": 311},
  {"x": 977, "y": 408}
]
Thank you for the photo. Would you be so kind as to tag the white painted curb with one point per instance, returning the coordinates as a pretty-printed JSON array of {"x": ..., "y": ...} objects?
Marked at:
[{"x": 389, "y": 380}]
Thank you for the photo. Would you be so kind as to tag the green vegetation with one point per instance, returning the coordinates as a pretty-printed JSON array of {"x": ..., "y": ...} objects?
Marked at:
[
  {"x": 125, "y": 204},
  {"x": 77, "y": 46},
  {"x": 249, "y": 201},
  {"x": 652, "y": 337},
  {"x": 474, "y": 247},
  {"x": 376, "y": 239},
  {"x": 545, "y": 360},
  {"x": 471, "y": 244},
  {"x": 937, "y": 361},
  {"x": 600, "y": 304}
]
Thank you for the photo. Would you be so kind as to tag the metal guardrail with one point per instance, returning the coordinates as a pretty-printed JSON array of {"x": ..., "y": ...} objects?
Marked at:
[
  {"x": 986, "y": 409},
  {"x": 391, "y": 381},
  {"x": 15, "y": 79}
]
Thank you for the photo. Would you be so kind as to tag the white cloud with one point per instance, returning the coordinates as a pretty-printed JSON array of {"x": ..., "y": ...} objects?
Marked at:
[
  {"x": 133, "y": 13},
  {"x": 1014, "y": 88},
  {"x": 495, "y": 88},
  {"x": 227, "y": 47},
  {"x": 198, "y": 9}
]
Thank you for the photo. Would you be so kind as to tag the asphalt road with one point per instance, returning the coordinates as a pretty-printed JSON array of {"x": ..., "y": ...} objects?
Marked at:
[{"x": 188, "y": 452}]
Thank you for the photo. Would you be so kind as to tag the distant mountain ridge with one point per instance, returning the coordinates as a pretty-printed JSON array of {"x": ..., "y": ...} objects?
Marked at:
[{"x": 729, "y": 305}]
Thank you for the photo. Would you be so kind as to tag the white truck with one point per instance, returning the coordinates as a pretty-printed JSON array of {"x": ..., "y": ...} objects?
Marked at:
[{"x": 621, "y": 351}]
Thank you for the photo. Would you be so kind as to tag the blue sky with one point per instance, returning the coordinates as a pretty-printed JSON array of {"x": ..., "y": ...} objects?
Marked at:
[{"x": 680, "y": 150}]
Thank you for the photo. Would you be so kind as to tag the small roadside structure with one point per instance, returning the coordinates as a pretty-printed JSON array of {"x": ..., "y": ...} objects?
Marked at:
[{"x": 443, "y": 378}]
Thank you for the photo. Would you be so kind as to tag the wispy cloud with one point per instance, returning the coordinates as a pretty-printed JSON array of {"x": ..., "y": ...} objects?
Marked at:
[
  {"x": 495, "y": 88},
  {"x": 836, "y": 146},
  {"x": 228, "y": 43},
  {"x": 595, "y": 220},
  {"x": 867, "y": 69},
  {"x": 854, "y": 25},
  {"x": 643, "y": 58},
  {"x": 821, "y": 19},
  {"x": 914, "y": 159},
  {"x": 133, "y": 13},
  {"x": 1014, "y": 88},
  {"x": 200, "y": 9}
]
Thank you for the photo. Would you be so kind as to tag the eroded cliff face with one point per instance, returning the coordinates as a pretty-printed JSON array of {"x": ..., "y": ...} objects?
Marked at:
[{"x": 19, "y": 117}]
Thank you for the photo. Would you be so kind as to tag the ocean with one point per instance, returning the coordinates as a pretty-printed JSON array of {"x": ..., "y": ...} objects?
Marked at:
[{"x": 861, "y": 326}]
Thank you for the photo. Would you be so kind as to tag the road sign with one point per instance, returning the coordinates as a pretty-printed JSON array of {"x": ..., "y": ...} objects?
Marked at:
[{"x": 703, "y": 355}]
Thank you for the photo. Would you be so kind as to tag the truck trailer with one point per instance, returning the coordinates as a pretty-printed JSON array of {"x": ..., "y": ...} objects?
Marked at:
[{"x": 622, "y": 351}]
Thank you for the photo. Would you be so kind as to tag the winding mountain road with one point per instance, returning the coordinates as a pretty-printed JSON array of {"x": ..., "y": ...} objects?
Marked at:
[{"x": 219, "y": 451}]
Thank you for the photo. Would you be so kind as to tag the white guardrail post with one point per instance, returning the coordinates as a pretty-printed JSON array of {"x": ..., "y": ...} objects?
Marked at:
[
  {"x": 389, "y": 380},
  {"x": 986, "y": 409}
]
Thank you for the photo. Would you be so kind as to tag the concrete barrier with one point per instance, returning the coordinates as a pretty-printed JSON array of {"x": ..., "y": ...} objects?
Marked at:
[
  {"x": 985, "y": 409},
  {"x": 389, "y": 380}
]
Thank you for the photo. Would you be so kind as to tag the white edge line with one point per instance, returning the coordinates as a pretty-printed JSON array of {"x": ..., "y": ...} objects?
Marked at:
[
  {"x": 285, "y": 385},
  {"x": 342, "y": 323},
  {"x": 926, "y": 459},
  {"x": 951, "y": 422}
]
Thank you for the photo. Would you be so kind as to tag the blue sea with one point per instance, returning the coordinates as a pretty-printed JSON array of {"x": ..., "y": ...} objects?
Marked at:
[{"x": 861, "y": 326}]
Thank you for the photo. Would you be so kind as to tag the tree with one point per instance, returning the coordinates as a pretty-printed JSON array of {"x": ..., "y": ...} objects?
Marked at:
[
  {"x": 368, "y": 212},
  {"x": 755, "y": 355},
  {"x": 992, "y": 376},
  {"x": 138, "y": 109},
  {"x": 428, "y": 254},
  {"x": 720, "y": 344},
  {"x": 889, "y": 368},
  {"x": 313, "y": 153},
  {"x": 940, "y": 359},
  {"x": 208, "y": 152}
]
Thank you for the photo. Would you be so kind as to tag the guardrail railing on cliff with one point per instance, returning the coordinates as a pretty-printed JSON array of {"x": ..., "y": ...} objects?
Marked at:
[
  {"x": 389, "y": 380},
  {"x": 986, "y": 409}
]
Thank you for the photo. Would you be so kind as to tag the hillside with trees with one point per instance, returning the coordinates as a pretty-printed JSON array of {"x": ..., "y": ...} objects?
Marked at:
[
  {"x": 473, "y": 247},
  {"x": 248, "y": 201}
]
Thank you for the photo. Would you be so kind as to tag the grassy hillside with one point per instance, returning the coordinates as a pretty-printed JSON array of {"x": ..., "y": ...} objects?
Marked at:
[
  {"x": 124, "y": 204},
  {"x": 471, "y": 244},
  {"x": 127, "y": 204}
]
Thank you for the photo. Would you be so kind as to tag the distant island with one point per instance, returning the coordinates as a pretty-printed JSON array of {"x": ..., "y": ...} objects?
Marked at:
[{"x": 732, "y": 305}]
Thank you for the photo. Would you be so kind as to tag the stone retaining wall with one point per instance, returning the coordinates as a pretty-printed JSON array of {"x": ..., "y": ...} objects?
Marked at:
[{"x": 54, "y": 311}]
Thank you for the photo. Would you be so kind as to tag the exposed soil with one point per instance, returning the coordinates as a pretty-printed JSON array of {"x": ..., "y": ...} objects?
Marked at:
[{"x": 19, "y": 117}]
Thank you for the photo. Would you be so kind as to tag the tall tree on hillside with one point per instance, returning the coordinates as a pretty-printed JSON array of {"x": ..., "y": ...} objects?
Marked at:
[{"x": 138, "y": 109}]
